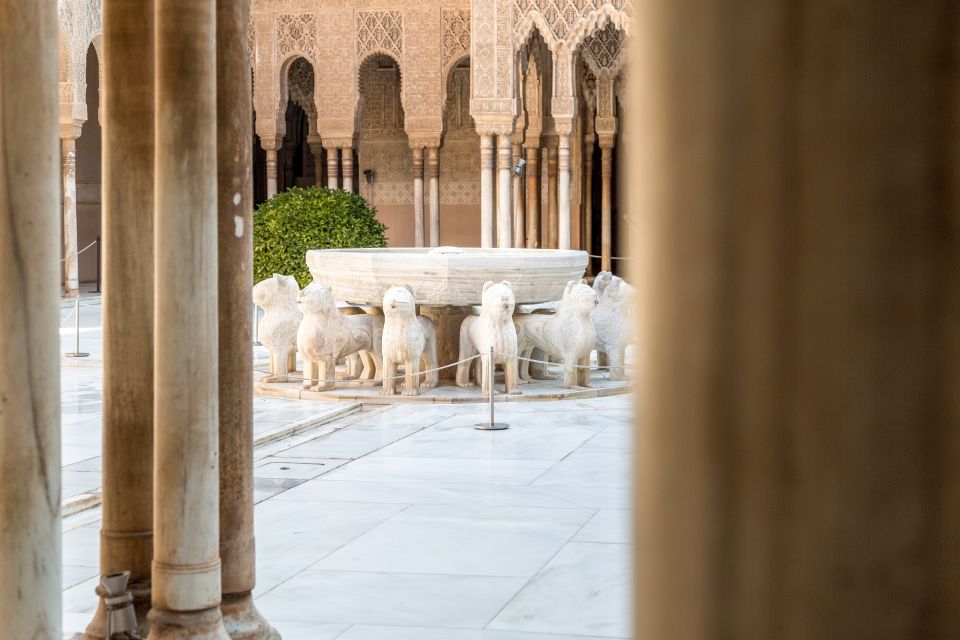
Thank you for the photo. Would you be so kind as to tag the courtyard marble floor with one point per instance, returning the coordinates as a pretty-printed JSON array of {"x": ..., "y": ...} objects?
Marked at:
[{"x": 406, "y": 523}]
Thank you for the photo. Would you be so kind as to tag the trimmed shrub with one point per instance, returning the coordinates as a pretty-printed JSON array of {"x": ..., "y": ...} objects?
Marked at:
[{"x": 292, "y": 222}]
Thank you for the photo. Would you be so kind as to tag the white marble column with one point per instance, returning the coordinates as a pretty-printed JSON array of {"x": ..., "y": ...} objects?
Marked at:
[
  {"x": 30, "y": 528},
  {"x": 563, "y": 192},
  {"x": 333, "y": 166},
  {"x": 552, "y": 205},
  {"x": 504, "y": 192},
  {"x": 519, "y": 214},
  {"x": 126, "y": 531},
  {"x": 347, "y": 161},
  {"x": 533, "y": 196},
  {"x": 271, "y": 144},
  {"x": 68, "y": 159},
  {"x": 487, "y": 163},
  {"x": 433, "y": 179},
  {"x": 235, "y": 331},
  {"x": 417, "y": 153},
  {"x": 316, "y": 148},
  {"x": 606, "y": 214},
  {"x": 589, "y": 141},
  {"x": 186, "y": 560}
]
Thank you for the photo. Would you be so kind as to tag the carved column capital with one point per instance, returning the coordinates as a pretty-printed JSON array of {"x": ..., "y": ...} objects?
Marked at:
[
  {"x": 271, "y": 141},
  {"x": 433, "y": 162}
]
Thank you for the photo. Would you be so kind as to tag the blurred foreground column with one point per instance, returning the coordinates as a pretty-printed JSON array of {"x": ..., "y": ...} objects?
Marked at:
[
  {"x": 794, "y": 201},
  {"x": 30, "y": 599},
  {"x": 126, "y": 532},
  {"x": 186, "y": 558},
  {"x": 235, "y": 333}
]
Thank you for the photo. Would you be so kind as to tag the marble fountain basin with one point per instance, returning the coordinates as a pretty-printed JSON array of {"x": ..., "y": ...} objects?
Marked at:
[{"x": 445, "y": 275}]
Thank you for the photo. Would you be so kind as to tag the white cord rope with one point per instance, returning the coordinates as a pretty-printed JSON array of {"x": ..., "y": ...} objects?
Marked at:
[
  {"x": 611, "y": 257},
  {"x": 82, "y": 250}
]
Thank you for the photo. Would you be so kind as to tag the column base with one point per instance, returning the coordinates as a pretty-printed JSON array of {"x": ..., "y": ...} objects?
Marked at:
[
  {"x": 187, "y": 625},
  {"x": 242, "y": 620}
]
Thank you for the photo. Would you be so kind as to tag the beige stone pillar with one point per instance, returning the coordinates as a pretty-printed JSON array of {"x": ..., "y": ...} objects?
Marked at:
[
  {"x": 563, "y": 191},
  {"x": 417, "y": 196},
  {"x": 553, "y": 216},
  {"x": 68, "y": 160},
  {"x": 316, "y": 148},
  {"x": 235, "y": 332},
  {"x": 333, "y": 166},
  {"x": 186, "y": 559},
  {"x": 606, "y": 212},
  {"x": 126, "y": 531},
  {"x": 30, "y": 535},
  {"x": 433, "y": 180},
  {"x": 798, "y": 428},
  {"x": 347, "y": 161},
  {"x": 504, "y": 192},
  {"x": 486, "y": 189},
  {"x": 271, "y": 144},
  {"x": 533, "y": 196},
  {"x": 519, "y": 203},
  {"x": 589, "y": 142}
]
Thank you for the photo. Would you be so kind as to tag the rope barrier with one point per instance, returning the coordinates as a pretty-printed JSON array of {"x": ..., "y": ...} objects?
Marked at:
[
  {"x": 82, "y": 250},
  {"x": 560, "y": 364}
]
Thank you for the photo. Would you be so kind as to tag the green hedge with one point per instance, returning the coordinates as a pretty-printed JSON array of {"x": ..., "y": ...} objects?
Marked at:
[{"x": 292, "y": 222}]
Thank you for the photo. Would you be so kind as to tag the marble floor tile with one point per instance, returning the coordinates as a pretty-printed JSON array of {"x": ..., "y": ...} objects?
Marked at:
[
  {"x": 74, "y": 575},
  {"x": 457, "y": 540},
  {"x": 292, "y": 536},
  {"x": 270, "y": 468},
  {"x": 584, "y": 590},
  {"x": 365, "y": 632},
  {"x": 462, "y": 441},
  {"x": 589, "y": 469},
  {"x": 354, "y": 442},
  {"x": 389, "y": 599},
  {"x": 442, "y": 471},
  {"x": 608, "y": 525},
  {"x": 308, "y": 630}
]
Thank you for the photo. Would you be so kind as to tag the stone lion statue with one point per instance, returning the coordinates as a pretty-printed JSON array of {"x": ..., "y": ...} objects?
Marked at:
[
  {"x": 326, "y": 335},
  {"x": 492, "y": 328},
  {"x": 406, "y": 338},
  {"x": 567, "y": 335},
  {"x": 277, "y": 296},
  {"x": 612, "y": 322}
]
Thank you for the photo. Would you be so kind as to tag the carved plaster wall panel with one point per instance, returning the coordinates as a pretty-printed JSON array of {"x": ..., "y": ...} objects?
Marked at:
[
  {"x": 296, "y": 34},
  {"x": 382, "y": 143},
  {"x": 459, "y": 156},
  {"x": 379, "y": 31}
]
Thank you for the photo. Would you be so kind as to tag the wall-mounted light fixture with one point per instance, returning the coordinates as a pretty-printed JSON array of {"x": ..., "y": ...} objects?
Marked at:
[{"x": 521, "y": 163}]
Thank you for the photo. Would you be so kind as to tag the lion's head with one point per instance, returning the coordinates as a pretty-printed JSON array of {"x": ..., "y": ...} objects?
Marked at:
[
  {"x": 399, "y": 301},
  {"x": 317, "y": 298},
  {"x": 278, "y": 289},
  {"x": 602, "y": 281},
  {"x": 497, "y": 300},
  {"x": 579, "y": 298}
]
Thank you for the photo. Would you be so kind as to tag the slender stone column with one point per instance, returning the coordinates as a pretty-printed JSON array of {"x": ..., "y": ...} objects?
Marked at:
[
  {"x": 486, "y": 189},
  {"x": 433, "y": 178},
  {"x": 316, "y": 148},
  {"x": 504, "y": 196},
  {"x": 271, "y": 144},
  {"x": 589, "y": 141},
  {"x": 126, "y": 534},
  {"x": 606, "y": 214},
  {"x": 553, "y": 218},
  {"x": 417, "y": 196},
  {"x": 563, "y": 191},
  {"x": 347, "y": 161},
  {"x": 68, "y": 159},
  {"x": 30, "y": 535},
  {"x": 235, "y": 257},
  {"x": 519, "y": 215},
  {"x": 333, "y": 162},
  {"x": 186, "y": 560},
  {"x": 533, "y": 197}
]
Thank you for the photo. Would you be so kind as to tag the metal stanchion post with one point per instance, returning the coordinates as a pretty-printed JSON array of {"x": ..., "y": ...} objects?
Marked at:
[
  {"x": 98, "y": 265},
  {"x": 492, "y": 425},
  {"x": 256, "y": 326},
  {"x": 77, "y": 353}
]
